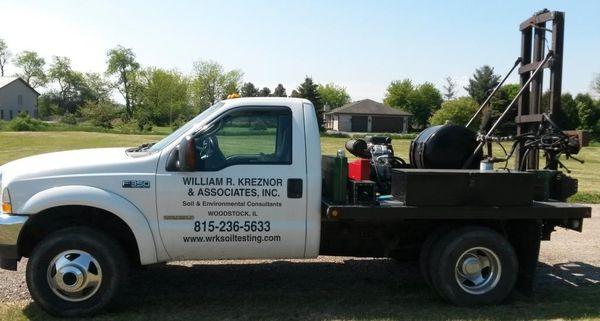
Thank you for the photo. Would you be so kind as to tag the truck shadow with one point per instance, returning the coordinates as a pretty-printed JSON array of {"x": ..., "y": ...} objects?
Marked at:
[{"x": 349, "y": 289}]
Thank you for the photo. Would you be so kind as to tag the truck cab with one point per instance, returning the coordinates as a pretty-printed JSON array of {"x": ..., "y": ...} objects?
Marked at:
[
  {"x": 244, "y": 183},
  {"x": 241, "y": 180}
]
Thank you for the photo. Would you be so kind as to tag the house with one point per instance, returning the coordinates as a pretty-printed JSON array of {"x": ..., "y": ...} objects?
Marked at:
[
  {"x": 367, "y": 116},
  {"x": 17, "y": 96}
]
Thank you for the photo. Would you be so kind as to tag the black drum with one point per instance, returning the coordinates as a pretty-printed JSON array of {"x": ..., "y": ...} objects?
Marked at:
[{"x": 444, "y": 147}]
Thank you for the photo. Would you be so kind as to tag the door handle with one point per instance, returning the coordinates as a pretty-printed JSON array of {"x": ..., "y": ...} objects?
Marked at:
[{"x": 294, "y": 188}]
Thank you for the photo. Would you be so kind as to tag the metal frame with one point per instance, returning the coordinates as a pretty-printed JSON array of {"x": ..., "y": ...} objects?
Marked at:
[{"x": 533, "y": 38}]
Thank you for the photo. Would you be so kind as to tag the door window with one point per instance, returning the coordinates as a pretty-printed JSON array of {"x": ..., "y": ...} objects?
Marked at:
[{"x": 246, "y": 136}]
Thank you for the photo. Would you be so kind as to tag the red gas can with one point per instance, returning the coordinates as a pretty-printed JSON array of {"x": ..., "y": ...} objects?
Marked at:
[{"x": 359, "y": 170}]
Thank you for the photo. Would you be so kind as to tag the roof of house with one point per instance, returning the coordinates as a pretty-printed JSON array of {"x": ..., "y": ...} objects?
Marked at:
[
  {"x": 4, "y": 81},
  {"x": 368, "y": 107}
]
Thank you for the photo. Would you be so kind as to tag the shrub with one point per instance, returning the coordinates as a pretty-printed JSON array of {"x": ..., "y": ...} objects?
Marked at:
[
  {"x": 69, "y": 119},
  {"x": 100, "y": 114},
  {"x": 126, "y": 128},
  {"x": 178, "y": 122},
  {"x": 331, "y": 133},
  {"x": 24, "y": 123},
  {"x": 143, "y": 124}
]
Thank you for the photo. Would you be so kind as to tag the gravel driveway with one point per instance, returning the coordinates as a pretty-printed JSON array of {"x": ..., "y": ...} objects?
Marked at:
[{"x": 571, "y": 258}]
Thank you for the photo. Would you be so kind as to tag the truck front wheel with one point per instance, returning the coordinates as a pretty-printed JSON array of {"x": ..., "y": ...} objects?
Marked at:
[
  {"x": 76, "y": 272},
  {"x": 473, "y": 265}
]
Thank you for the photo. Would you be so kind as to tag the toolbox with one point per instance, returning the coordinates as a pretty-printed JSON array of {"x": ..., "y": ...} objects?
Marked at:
[{"x": 453, "y": 187}]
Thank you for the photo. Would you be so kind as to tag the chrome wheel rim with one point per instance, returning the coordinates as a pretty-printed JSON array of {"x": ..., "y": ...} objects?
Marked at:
[
  {"x": 74, "y": 275},
  {"x": 478, "y": 270}
]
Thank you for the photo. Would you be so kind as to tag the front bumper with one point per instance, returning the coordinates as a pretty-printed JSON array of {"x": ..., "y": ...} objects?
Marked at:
[{"x": 10, "y": 228}]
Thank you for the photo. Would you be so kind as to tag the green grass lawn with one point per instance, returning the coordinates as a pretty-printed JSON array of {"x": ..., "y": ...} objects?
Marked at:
[{"x": 15, "y": 145}]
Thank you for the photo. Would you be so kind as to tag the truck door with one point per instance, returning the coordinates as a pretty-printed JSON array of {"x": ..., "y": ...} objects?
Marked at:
[{"x": 247, "y": 197}]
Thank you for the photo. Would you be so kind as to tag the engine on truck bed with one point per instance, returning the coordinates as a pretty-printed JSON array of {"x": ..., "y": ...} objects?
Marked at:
[{"x": 380, "y": 153}]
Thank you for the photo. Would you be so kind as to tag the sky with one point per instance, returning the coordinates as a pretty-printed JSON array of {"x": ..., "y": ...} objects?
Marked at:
[{"x": 360, "y": 45}]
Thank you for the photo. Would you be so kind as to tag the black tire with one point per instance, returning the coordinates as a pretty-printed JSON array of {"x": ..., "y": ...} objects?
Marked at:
[
  {"x": 425, "y": 252},
  {"x": 444, "y": 262},
  {"x": 104, "y": 249}
]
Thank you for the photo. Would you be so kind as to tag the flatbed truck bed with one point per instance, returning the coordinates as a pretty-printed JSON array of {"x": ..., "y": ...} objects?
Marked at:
[
  {"x": 397, "y": 211},
  {"x": 394, "y": 230}
]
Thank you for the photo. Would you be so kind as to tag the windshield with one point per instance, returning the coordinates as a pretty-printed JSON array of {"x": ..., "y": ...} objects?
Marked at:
[{"x": 176, "y": 134}]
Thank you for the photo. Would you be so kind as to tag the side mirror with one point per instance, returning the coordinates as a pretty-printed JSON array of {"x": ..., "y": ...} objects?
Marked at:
[{"x": 186, "y": 154}]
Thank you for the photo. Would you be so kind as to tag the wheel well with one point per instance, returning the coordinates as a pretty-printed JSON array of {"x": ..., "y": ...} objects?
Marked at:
[
  {"x": 53, "y": 219},
  {"x": 431, "y": 230}
]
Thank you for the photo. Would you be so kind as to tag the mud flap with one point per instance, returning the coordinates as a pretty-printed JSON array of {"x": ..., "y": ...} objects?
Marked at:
[{"x": 525, "y": 236}]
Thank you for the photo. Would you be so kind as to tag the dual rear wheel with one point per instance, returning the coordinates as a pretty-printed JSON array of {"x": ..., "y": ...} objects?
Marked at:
[{"x": 469, "y": 265}]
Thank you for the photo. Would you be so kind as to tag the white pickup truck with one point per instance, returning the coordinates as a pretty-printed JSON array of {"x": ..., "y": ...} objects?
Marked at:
[{"x": 242, "y": 180}]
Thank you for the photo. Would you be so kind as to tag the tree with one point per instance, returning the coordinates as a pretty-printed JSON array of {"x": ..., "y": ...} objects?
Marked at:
[
  {"x": 569, "y": 118},
  {"x": 121, "y": 62},
  {"x": 482, "y": 83},
  {"x": 449, "y": 88},
  {"x": 399, "y": 94},
  {"x": 96, "y": 88},
  {"x": 429, "y": 96},
  {"x": 72, "y": 89},
  {"x": 421, "y": 101},
  {"x": 566, "y": 117},
  {"x": 249, "y": 90},
  {"x": 585, "y": 99},
  {"x": 588, "y": 111},
  {"x": 70, "y": 84},
  {"x": 4, "y": 56},
  {"x": 496, "y": 107},
  {"x": 309, "y": 90},
  {"x": 264, "y": 92},
  {"x": 47, "y": 105},
  {"x": 211, "y": 83},
  {"x": 588, "y": 116},
  {"x": 163, "y": 97},
  {"x": 333, "y": 96},
  {"x": 279, "y": 91},
  {"x": 32, "y": 68},
  {"x": 231, "y": 87},
  {"x": 596, "y": 84},
  {"x": 456, "y": 111}
]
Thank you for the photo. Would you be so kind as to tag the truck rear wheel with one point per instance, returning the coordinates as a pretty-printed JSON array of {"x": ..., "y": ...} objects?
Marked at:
[
  {"x": 472, "y": 266},
  {"x": 76, "y": 272},
  {"x": 426, "y": 249}
]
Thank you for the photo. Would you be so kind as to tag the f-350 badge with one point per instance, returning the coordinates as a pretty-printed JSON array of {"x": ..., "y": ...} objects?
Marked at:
[{"x": 135, "y": 184}]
